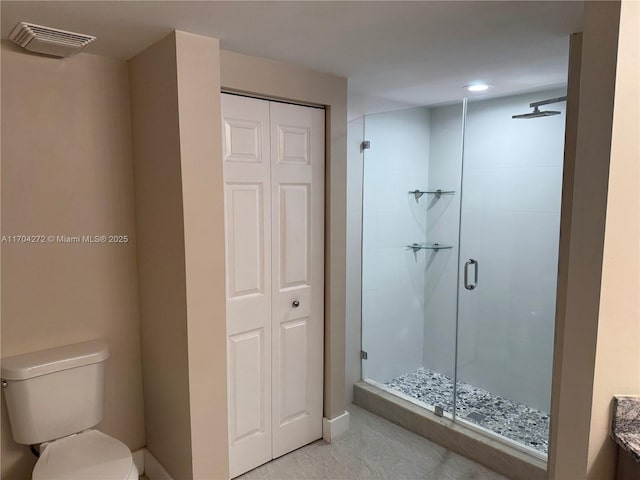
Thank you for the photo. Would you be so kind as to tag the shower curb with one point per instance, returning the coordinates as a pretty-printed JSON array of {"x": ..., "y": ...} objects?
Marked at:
[{"x": 495, "y": 455}]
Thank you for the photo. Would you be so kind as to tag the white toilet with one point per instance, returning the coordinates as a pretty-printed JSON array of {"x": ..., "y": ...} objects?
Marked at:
[{"x": 54, "y": 397}]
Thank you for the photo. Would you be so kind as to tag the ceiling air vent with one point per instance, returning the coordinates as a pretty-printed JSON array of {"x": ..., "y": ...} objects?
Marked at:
[{"x": 49, "y": 41}]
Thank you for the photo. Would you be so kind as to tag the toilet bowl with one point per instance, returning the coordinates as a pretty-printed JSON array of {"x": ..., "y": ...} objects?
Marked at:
[{"x": 90, "y": 455}]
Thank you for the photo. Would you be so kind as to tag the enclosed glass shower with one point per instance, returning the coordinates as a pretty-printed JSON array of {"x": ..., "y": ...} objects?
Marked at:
[{"x": 461, "y": 218}]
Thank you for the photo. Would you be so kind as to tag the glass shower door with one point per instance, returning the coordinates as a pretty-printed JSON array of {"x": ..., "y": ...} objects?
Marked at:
[
  {"x": 509, "y": 229},
  {"x": 411, "y": 183}
]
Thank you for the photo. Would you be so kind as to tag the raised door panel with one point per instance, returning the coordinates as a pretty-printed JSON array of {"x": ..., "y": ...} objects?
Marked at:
[
  {"x": 247, "y": 184},
  {"x": 295, "y": 231},
  {"x": 247, "y": 385},
  {"x": 297, "y": 178},
  {"x": 245, "y": 239}
]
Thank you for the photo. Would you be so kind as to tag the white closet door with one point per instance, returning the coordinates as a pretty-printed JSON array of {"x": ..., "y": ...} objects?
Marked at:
[
  {"x": 246, "y": 164},
  {"x": 297, "y": 184}
]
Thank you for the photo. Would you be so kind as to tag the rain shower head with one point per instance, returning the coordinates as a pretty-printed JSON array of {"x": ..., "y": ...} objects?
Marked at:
[
  {"x": 537, "y": 113},
  {"x": 541, "y": 113}
]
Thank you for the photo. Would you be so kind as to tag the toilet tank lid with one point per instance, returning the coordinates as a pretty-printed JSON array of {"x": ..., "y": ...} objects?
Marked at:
[{"x": 42, "y": 362}]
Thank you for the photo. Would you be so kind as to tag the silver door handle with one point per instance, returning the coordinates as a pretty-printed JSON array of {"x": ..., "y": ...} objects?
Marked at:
[
  {"x": 295, "y": 304},
  {"x": 467, "y": 285}
]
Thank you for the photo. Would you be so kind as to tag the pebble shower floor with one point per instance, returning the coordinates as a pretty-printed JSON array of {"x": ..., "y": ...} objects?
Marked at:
[{"x": 513, "y": 420}]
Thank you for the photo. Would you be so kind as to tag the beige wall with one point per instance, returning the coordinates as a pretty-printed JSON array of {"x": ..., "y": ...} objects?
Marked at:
[
  {"x": 178, "y": 175},
  {"x": 560, "y": 401},
  {"x": 198, "y": 61},
  {"x": 161, "y": 269},
  {"x": 597, "y": 333},
  {"x": 268, "y": 78},
  {"x": 67, "y": 170},
  {"x": 588, "y": 138},
  {"x": 617, "y": 368}
]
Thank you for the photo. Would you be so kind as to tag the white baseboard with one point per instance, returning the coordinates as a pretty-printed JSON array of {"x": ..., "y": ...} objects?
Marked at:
[
  {"x": 152, "y": 468},
  {"x": 138, "y": 460},
  {"x": 335, "y": 428}
]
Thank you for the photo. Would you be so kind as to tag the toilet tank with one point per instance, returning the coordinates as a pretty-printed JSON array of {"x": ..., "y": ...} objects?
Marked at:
[{"x": 55, "y": 392}]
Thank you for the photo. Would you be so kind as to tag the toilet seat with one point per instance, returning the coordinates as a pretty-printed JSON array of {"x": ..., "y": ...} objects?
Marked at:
[{"x": 87, "y": 455}]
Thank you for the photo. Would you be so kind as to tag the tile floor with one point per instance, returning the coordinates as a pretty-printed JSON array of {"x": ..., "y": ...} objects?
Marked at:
[
  {"x": 373, "y": 448},
  {"x": 513, "y": 420}
]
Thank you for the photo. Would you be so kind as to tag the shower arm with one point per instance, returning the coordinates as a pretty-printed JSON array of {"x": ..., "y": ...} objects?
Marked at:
[{"x": 547, "y": 102}]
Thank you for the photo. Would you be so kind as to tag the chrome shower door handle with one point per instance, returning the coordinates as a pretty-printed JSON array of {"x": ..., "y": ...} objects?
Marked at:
[{"x": 467, "y": 285}]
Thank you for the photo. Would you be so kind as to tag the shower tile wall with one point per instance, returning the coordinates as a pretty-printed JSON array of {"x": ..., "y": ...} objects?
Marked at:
[{"x": 393, "y": 279}]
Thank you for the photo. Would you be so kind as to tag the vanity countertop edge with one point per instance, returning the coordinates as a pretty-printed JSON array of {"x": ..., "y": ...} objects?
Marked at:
[{"x": 625, "y": 424}]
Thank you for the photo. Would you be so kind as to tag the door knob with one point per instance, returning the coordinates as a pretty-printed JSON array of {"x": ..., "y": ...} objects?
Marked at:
[{"x": 295, "y": 304}]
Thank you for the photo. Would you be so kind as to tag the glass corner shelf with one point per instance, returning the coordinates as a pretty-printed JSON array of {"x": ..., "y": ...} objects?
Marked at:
[
  {"x": 428, "y": 246},
  {"x": 438, "y": 193}
]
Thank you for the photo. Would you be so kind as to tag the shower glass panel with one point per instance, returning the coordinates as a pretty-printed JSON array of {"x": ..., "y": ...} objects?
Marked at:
[
  {"x": 510, "y": 223},
  {"x": 411, "y": 202},
  {"x": 460, "y": 229}
]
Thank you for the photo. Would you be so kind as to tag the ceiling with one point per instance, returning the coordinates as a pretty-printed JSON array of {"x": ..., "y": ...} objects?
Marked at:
[{"x": 410, "y": 53}]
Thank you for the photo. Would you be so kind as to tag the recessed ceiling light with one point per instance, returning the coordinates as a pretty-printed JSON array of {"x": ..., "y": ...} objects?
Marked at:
[{"x": 477, "y": 87}]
